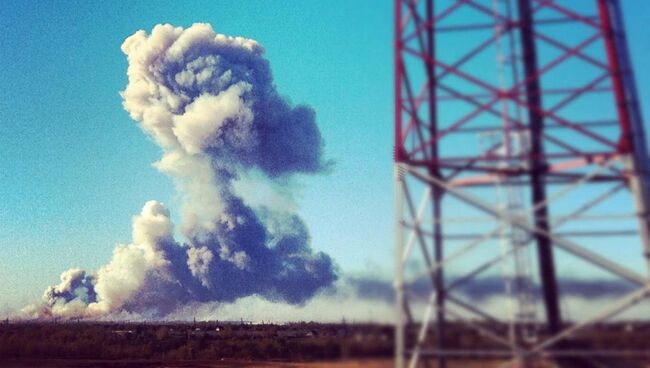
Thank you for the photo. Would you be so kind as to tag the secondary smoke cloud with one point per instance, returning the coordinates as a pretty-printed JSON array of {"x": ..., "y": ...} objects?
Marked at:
[
  {"x": 484, "y": 288},
  {"x": 208, "y": 100}
]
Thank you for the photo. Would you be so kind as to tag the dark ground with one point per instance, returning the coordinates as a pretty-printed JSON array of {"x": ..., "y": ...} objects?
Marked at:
[{"x": 78, "y": 344}]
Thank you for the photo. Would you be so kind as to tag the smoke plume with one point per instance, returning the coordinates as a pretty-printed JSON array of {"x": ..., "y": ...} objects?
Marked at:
[{"x": 208, "y": 100}]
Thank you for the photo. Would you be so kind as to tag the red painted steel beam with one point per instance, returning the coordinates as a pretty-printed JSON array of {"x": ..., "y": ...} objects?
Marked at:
[
  {"x": 536, "y": 75},
  {"x": 625, "y": 141}
]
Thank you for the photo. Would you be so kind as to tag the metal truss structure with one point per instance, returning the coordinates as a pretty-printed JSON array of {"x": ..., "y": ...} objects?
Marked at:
[{"x": 520, "y": 156}]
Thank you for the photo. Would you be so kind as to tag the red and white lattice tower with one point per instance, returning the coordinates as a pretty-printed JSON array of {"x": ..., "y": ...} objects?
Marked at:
[{"x": 520, "y": 157}]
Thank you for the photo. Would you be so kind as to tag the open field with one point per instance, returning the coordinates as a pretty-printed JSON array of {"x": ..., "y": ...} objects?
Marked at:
[
  {"x": 78, "y": 344},
  {"x": 363, "y": 363}
]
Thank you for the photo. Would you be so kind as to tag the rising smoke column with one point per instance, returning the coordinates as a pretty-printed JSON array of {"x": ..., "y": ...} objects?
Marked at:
[{"x": 208, "y": 100}]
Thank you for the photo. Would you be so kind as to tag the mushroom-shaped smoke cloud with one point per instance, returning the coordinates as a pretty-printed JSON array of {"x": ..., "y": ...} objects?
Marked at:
[{"x": 208, "y": 100}]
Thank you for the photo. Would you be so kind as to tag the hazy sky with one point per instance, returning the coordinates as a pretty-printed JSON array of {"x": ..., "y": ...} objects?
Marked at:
[{"x": 74, "y": 168}]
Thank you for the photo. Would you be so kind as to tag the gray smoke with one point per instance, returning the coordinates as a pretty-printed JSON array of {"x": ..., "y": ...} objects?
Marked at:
[
  {"x": 208, "y": 100},
  {"x": 484, "y": 288}
]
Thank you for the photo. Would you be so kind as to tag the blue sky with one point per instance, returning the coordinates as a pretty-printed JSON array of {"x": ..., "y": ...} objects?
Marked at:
[{"x": 74, "y": 168}]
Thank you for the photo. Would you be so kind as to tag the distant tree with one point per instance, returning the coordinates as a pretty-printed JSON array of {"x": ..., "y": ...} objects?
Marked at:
[{"x": 162, "y": 333}]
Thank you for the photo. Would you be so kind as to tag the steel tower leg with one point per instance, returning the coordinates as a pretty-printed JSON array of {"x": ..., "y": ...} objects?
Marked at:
[
  {"x": 538, "y": 168},
  {"x": 633, "y": 138},
  {"x": 437, "y": 193},
  {"x": 400, "y": 320}
]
